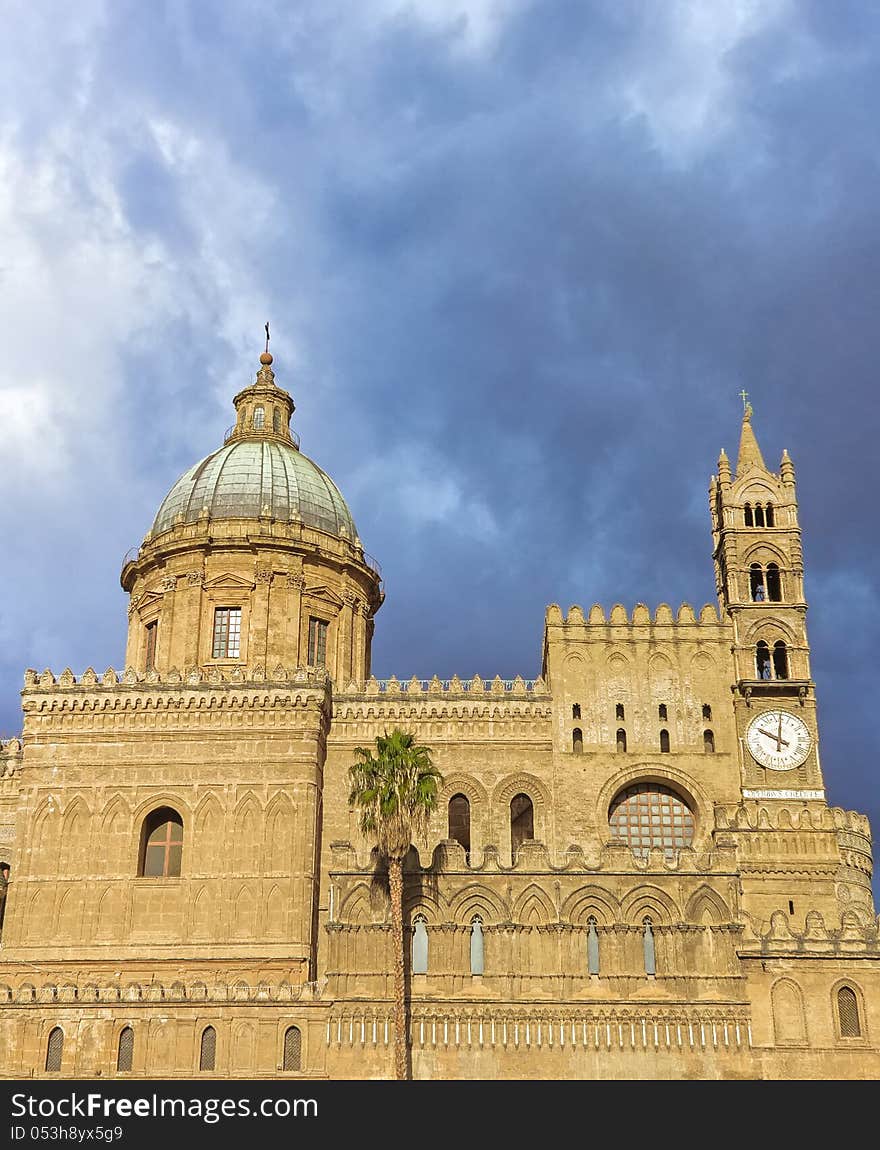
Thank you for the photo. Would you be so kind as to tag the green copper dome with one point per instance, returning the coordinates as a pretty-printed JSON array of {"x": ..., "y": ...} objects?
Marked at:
[{"x": 248, "y": 478}]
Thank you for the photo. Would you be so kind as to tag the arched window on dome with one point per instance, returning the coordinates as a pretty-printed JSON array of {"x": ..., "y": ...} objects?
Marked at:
[
  {"x": 459, "y": 822},
  {"x": 54, "y": 1050},
  {"x": 276, "y": 420},
  {"x": 125, "y": 1049},
  {"x": 259, "y": 418},
  {"x": 522, "y": 822},
  {"x": 161, "y": 844},
  {"x": 848, "y": 1020}
]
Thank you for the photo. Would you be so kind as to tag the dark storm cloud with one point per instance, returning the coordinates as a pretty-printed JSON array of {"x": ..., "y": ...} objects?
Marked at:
[{"x": 517, "y": 281}]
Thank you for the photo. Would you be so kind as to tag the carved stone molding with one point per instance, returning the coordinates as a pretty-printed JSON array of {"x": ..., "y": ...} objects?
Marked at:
[{"x": 169, "y": 583}]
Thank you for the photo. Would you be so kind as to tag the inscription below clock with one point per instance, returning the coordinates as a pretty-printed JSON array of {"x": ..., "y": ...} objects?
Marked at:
[{"x": 778, "y": 740}]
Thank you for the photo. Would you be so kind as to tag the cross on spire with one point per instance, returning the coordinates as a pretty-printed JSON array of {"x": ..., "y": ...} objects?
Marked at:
[{"x": 267, "y": 335}]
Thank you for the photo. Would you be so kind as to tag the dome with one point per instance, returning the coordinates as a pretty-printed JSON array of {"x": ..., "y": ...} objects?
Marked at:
[{"x": 247, "y": 478}]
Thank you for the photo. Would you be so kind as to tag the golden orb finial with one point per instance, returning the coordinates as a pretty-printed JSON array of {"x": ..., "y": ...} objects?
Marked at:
[{"x": 266, "y": 357}]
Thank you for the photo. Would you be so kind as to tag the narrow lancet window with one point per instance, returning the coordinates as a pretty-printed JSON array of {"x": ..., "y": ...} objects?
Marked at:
[
  {"x": 762, "y": 661},
  {"x": 774, "y": 583},
  {"x": 459, "y": 822},
  {"x": 55, "y": 1049},
  {"x": 662, "y": 713},
  {"x": 768, "y": 515},
  {"x": 208, "y": 1049},
  {"x": 125, "y": 1049},
  {"x": 522, "y": 822},
  {"x": 650, "y": 955},
  {"x": 292, "y": 1055},
  {"x": 848, "y": 1013},
  {"x": 476, "y": 945},
  {"x": 577, "y": 741},
  {"x": 664, "y": 741},
  {"x": 592, "y": 946},
  {"x": 749, "y": 521},
  {"x": 759, "y": 515},
  {"x": 780, "y": 660},
  {"x": 756, "y": 583},
  {"x": 621, "y": 739},
  {"x": 708, "y": 742},
  {"x": 420, "y": 945}
]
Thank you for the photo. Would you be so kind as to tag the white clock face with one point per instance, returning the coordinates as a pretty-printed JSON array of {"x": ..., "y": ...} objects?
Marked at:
[{"x": 778, "y": 740}]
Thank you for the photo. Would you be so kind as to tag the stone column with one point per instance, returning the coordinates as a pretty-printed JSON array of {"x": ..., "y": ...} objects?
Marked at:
[
  {"x": 292, "y": 630},
  {"x": 258, "y": 629}
]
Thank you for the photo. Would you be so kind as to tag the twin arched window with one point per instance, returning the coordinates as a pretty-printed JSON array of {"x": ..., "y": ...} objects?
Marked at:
[
  {"x": 161, "y": 844},
  {"x": 765, "y": 586},
  {"x": 773, "y": 666},
  {"x": 758, "y": 515}
]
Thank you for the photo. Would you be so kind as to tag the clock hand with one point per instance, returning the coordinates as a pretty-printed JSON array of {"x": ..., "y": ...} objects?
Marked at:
[{"x": 776, "y": 739}]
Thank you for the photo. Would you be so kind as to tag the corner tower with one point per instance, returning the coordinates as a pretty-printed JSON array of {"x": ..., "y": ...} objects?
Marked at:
[
  {"x": 253, "y": 559},
  {"x": 759, "y": 577}
]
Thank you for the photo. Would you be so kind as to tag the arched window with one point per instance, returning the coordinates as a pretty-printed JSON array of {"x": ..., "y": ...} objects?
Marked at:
[
  {"x": 774, "y": 583},
  {"x": 208, "y": 1049},
  {"x": 619, "y": 711},
  {"x": 54, "y": 1049},
  {"x": 762, "y": 661},
  {"x": 664, "y": 741},
  {"x": 575, "y": 710},
  {"x": 708, "y": 742},
  {"x": 780, "y": 660},
  {"x": 621, "y": 739},
  {"x": 161, "y": 844},
  {"x": 848, "y": 1013},
  {"x": 747, "y": 511},
  {"x": 522, "y": 822},
  {"x": 259, "y": 418},
  {"x": 476, "y": 945},
  {"x": 768, "y": 514},
  {"x": 662, "y": 713},
  {"x": 577, "y": 741},
  {"x": 756, "y": 583},
  {"x": 420, "y": 945},
  {"x": 460, "y": 821},
  {"x": 592, "y": 946},
  {"x": 759, "y": 515},
  {"x": 707, "y": 711},
  {"x": 292, "y": 1059},
  {"x": 649, "y": 815},
  {"x": 650, "y": 954},
  {"x": 276, "y": 420},
  {"x": 125, "y": 1049}
]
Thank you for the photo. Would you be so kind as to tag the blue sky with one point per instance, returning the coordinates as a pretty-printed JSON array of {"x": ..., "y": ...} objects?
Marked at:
[{"x": 519, "y": 258}]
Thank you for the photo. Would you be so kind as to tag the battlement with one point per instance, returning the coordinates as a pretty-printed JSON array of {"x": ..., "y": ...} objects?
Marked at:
[
  {"x": 754, "y": 817},
  {"x": 245, "y": 676},
  {"x": 640, "y": 617},
  {"x": 518, "y": 687}
]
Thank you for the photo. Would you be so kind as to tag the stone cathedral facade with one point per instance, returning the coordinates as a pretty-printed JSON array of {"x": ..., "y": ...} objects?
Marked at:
[{"x": 633, "y": 871}]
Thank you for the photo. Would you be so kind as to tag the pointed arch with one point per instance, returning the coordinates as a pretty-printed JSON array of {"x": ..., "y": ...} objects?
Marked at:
[
  {"x": 247, "y": 835},
  {"x": 280, "y": 835},
  {"x": 208, "y": 835},
  {"x": 534, "y": 907},
  {"x": 591, "y": 900},
  {"x": 243, "y": 913},
  {"x": 848, "y": 1007},
  {"x": 477, "y": 898},
  {"x": 74, "y": 839},
  {"x": 275, "y": 913},
  {"x": 115, "y": 835},
  {"x": 108, "y": 914},
  {"x": 707, "y": 902},
  {"x": 789, "y": 1020},
  {"x": 651, "y": 901},
  {"x": 357, "y": 905},
  {"x": 243, "y": 1047},
  {"x": 68, "y": 922},
  {"x": 203, "y": 917}
]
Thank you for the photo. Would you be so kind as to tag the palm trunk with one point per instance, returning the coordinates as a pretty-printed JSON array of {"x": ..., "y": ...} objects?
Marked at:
[{"x": 395, "y": 885}]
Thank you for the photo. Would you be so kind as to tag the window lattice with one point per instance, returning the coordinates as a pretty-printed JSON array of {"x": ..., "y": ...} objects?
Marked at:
[
  {"x": 317, "y": 642},
  {"x": 292, "y": 1048},
  {"x": 208, "y": 1051},
  {"x": 54, "y": 1049},
  {"x": 227, "y": 633},
  {"x": 848, "y": 1013},
  {"x": 649, "y": 815},
  {"x": 126, "y": 1049}
]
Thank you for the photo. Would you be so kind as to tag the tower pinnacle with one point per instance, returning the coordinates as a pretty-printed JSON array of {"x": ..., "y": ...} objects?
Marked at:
[{"x": 749, "y": 451}]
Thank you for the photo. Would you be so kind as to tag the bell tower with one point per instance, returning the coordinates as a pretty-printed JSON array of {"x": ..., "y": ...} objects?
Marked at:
[{"x": 759, "y": 576}]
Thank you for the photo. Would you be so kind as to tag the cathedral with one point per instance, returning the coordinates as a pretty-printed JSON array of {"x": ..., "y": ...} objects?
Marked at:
[{"x": 632, "y": 871}]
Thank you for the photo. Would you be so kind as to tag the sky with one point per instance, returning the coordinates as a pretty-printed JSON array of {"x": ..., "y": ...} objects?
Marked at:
[{"x": 519, "y": 258}]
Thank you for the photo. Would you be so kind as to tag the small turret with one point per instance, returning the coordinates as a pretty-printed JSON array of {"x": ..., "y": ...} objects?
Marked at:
[{"x": 786, "y": 469}]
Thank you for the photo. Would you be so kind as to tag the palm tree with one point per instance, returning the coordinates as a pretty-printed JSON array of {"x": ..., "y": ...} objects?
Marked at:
[{"x": 395, "y": 790}]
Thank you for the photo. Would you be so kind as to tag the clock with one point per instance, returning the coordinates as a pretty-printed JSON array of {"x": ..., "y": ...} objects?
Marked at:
[{"x": 778, "y": 740}]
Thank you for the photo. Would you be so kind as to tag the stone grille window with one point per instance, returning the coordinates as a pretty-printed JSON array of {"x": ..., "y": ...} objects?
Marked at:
[
  {"x": 227, "y": 633},
  {"x": 152, "y": 631},
  {"x": 317, "y": 642},
  {"x": 276, "y": 420},
  {"x": 208, "y": 1049},
  {"x": 161, "y": 844},
  {"x": 650, "y": 815},
  {"x": 848, "y": 1013},
  {"x": 125, "y": 1051},
  {"x": 292, "y": 1049},
  {"x": 54, "y": 1049}
]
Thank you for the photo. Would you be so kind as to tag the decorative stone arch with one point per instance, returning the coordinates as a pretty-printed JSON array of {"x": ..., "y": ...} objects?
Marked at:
[
  {"x": 861, "y": 1016},
  {"x": 684, "y": 784},
  {"x": 707, "y": 902},
  {"x": 209, "y": 821},
  {"x": 244, "y": 912},
  {"x": 278, "y": 846},
  {"x": 76, "y": 825},
  {"x": 575, "y": 663},
  {"x": 247, "y": 834},
  {"x": 591, "y": 902},
  {"x": 649, "y": 901},
  {"x": 44, "y": 841},
  {"x": 426, "y": 902},
  {"x": 752, "y": 489},
  {"x": 534, "y": 907},
  {"x": 243, "y": 1046},
  {"x": 766, "y": 551},
  {"x": 357, "y": 905},
  {"x": 770, "y": 629},
  {"x": 789, "y": 1020},
  {"x": 476, "y": 898},
  {"x": 477, "y": 796},
  {"x": 703, "y": 661}
]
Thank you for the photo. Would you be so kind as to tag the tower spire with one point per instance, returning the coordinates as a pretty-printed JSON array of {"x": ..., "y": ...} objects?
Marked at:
[{"x": 749, "y": 451}]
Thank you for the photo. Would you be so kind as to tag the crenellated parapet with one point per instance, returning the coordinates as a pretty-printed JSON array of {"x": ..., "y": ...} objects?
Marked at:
[
  {"x": 817, "y": 817},
  {"x": 639, "y": 617},
  {"x": 854, "y": 930}
]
